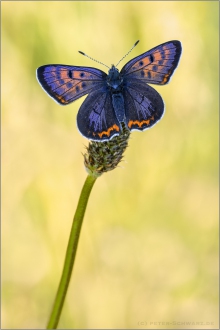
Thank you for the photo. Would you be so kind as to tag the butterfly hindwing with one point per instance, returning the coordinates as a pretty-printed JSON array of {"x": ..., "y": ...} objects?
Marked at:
[
  {"x": 155, "y": 66},
  {"x": 144, "y": 106},
  {"x": 65, "y": 83},
  {"x": 96, "y": 118}
]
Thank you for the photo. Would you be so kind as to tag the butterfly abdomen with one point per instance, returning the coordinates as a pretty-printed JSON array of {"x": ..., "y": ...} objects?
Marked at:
[{"x": 119, "y": 106}]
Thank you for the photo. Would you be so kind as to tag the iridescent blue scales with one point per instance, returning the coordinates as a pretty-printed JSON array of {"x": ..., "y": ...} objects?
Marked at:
[{"x": 118, "y": 97}]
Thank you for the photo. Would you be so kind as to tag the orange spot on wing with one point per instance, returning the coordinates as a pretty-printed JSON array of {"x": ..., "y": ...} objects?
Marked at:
[
  {"x": 146, "y": 61},
  {"x": 82, "y": 75},
  {"x": 61, "y": 99},
  {"x": 154, "y": 74},
  {"x": 64, "y": 74},
  {"x": 140, "y": 123},
  {"x": 114, "y": 127},
  {"x": 165, "y": 78},
  {"x": 157, "y": 56}
]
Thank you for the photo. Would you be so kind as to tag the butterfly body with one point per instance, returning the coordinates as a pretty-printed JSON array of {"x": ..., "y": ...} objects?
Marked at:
[
  {"x": 115, "y": 97},
  {"x": 115, "y": 89}
]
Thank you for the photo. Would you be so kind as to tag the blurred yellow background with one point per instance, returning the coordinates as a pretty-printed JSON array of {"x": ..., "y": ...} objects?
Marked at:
[{"x": 148, "y": 251}]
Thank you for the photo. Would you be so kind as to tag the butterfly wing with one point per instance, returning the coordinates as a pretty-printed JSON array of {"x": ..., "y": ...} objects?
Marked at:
[
  {"x": 144, "y": 106},
  {"x": 66, "y": 83},
  {"x": 155, "y": 66},
  {"x": 96, "y": 118}
]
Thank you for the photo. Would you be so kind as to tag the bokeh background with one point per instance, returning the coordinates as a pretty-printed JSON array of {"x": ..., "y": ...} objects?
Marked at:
[{"x": 148, "y": 251}]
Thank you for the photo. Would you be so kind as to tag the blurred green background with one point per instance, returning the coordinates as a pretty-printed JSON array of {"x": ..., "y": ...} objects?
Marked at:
[{"x": 148, "y": 251}]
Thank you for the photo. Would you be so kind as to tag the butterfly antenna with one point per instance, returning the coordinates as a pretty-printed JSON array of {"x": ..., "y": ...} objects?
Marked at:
[
  {"x": 93, "y": 59},
  {"x": 128, "y": 52}
]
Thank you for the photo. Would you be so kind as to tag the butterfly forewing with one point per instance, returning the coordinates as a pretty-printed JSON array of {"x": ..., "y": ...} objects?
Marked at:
[
  {"x": 155, "y": 66},
  {"x": 67, "y": 83}
]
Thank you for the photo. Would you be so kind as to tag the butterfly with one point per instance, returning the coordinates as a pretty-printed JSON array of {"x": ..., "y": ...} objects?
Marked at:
[{"x": 116, "y": 97}]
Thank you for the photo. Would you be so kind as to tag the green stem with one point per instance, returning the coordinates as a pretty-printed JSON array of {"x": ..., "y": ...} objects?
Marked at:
[{"x": 71, "y": 252}]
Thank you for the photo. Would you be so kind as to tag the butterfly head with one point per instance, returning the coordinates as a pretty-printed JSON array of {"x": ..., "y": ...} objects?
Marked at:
[{"x": 114, "y": 79}]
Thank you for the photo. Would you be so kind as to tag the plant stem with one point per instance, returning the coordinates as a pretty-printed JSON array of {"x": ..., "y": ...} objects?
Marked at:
[{"x": 71, "y": 252}]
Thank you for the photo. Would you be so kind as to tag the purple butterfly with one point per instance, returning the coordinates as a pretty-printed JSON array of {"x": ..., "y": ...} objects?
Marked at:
[{"x": 116, "y": 97}]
